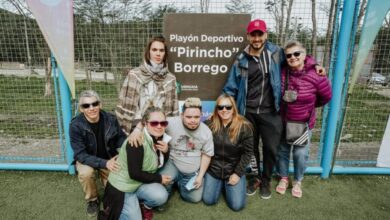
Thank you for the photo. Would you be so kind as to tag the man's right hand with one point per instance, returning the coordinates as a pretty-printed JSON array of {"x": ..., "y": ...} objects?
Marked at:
[
  {"x": 166, "y": 180},
  {"x": 135, "y": 138},
  {"x": 112, "y": 164}
]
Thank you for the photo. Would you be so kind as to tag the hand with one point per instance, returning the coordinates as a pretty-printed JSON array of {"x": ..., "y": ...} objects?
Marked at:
[
  {"x": 135, "y": 138},
  {"x": 198, "y": 181},
  {"x": 113, "y": 165},
  {"x": 233, "y": 179},
  {"x": 161, "y": 146},
  {"x": 320, "y": 70},
  {"x": 166, "y": 180}
]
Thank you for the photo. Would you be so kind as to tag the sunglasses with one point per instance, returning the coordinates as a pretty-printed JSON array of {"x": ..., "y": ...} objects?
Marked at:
[
  {"x": 156, "y": 123},
  {"x": 296, "y": 54},
  {"x": 221, "y": 107},
  {"x": 87, "y": 105}
]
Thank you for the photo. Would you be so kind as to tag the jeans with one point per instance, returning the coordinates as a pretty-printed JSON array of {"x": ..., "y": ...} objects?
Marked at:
[
  {"x": 300, "y": 158},
  {"x": 235, "y": 195},
  {"x": 181, "y": 179},
  {"x": 269, "y": 127},
  {"x": 152, "y": 195}
]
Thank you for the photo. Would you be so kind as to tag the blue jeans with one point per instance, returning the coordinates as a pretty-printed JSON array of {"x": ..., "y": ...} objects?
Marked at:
[
  {"x": 300, "y": 158},
  {"x": 235, "y": 195},
  {"x": 152, "y": 195},
  {"x": 181, "y": 179}
]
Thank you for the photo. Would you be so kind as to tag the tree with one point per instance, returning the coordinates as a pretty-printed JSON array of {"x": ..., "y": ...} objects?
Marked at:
[
  {"x": 277, "y": 8},
  {"x": 288, "y": 18},
  {"x": 240, "y": 6},
  {"x": 204, "y": 6},
  {"x": 329, "y": 30},
  {"x": 314, "y": 33},
  {"x": 362, "y": 11}
]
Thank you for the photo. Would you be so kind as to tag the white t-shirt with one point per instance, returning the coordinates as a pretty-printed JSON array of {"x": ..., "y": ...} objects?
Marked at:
[{"x": 186, "y": 146}]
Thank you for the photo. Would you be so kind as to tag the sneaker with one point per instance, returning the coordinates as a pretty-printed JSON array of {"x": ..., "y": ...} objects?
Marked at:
[
  {"x": 253, "y": 184},
  {"x": 296, "y": 190},
  {"x": 147, "y": 213},
  {"x": 92, "y": 208},
  {"x": 265, "y": 190},
  {"x": 282, "y": 186}
]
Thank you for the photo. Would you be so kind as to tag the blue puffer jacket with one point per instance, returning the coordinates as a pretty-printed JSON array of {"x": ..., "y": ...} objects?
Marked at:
[
  {"x": 83, "y": 140},
  {"x": 237, "y": 82}
]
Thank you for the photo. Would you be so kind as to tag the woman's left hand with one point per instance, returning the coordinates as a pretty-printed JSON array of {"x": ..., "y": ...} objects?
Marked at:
[
  {"x": 161, "y": 146},
  {"x": 233, "y": 179},
  {"x": 320, "y": 70}
]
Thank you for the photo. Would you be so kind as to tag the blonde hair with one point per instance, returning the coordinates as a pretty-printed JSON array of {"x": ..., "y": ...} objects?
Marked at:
[{"x": 237, "y": 122}]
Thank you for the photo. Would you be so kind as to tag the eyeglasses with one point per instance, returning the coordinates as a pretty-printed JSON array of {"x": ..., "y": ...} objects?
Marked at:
[
  {"x": 156, "y": 123},
  {"x": 87, "y": 105},
  {"x": 221, "y": 107},
  {"x": 296, "y": 54}
]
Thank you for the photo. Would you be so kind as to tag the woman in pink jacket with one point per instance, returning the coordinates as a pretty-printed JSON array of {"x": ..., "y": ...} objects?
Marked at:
[{"x": 302, "y": 90}]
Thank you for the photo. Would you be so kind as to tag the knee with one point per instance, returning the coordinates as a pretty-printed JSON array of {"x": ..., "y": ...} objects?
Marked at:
[
  {"x": 299, "y": 155},
  {"x": 236, "y": 206},
  {"x": 86, "y": 173},
  {"x": 193, "y": 197},
  {"x": 208, "y": 200},
  {"x": 160, "y": 197}
]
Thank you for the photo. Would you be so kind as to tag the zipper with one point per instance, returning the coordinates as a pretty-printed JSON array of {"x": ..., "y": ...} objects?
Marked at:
[
  {"x": 261, "y": 68},
  {"x": 105, "y": 139}
]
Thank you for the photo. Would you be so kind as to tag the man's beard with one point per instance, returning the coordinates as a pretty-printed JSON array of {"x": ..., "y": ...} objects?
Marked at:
[
  {"x": 191, "y": 129},
  {"x": 257, "y": 48}
]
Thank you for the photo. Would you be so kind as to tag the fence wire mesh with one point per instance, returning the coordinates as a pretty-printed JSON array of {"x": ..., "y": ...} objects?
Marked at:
[
  {"x": 367, "y": 108},
  {"x": 109, "y": 38}
]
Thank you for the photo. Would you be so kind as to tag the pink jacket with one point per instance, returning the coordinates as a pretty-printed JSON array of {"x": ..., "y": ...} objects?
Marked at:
[{"x": 313, "y": 91}]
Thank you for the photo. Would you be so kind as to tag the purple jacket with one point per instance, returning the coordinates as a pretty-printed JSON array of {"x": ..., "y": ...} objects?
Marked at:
[{"x": 313, "y": 91}]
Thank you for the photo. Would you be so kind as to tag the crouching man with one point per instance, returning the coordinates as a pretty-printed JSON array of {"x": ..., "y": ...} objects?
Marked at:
[{"x": 95, "y": 136}]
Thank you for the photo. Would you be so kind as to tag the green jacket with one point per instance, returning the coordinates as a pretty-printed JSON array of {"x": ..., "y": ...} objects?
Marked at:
[{"x": 121, "y": 179}]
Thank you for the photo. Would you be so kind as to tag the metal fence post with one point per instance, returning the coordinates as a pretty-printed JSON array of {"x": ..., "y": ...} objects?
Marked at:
[
  {"x": 337, "y": 84},
  {"x": 66, "y": 108}
]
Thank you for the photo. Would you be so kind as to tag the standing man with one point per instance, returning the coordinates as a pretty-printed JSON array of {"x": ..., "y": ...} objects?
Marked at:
[
  {"x": 255, "y": 82},
  {"x": 95, "y": 136}
]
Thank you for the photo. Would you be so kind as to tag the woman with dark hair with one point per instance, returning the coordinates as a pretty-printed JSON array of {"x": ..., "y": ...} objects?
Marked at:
[
  {"x": 302, "y": 90},
  {"x": 233, "y": 147},
  {"x": 150, "y": 84},
  {"x": 137, "y": 180}
]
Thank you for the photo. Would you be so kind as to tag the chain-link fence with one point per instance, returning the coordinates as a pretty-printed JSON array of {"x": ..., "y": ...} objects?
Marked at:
[{"x": 109, "y": 38}]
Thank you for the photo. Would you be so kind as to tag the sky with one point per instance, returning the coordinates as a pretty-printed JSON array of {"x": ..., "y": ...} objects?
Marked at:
[{"x": 301, "y": 12}]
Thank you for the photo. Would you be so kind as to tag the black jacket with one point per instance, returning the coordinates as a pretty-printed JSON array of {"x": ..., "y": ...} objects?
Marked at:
[
  {"x": 231, "y": 158},
  {"x": 83, "y": 140}
]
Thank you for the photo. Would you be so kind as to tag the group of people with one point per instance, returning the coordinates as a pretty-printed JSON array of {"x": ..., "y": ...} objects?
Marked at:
[{"x": 148, "y": 147}]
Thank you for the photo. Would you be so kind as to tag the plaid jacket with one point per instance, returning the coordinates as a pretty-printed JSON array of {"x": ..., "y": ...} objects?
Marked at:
[{"x": 129, "y": 98}]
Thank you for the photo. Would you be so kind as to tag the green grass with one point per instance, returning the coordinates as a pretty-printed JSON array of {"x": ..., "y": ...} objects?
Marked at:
[
  {"x": 366, "y": 116},
  {"x": 24, "y": 111},
  {"x": 55, "y": 195}
]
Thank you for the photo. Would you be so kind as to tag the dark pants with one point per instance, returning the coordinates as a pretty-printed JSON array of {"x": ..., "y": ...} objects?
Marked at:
[{"x": 269, "y": 127}]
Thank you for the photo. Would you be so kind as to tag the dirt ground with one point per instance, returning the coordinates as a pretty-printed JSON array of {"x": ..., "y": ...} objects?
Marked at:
[{"x": 29, "y": 147}]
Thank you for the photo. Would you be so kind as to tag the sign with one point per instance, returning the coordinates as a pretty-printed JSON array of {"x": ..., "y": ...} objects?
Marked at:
[{"x": 202, "y": 49}]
